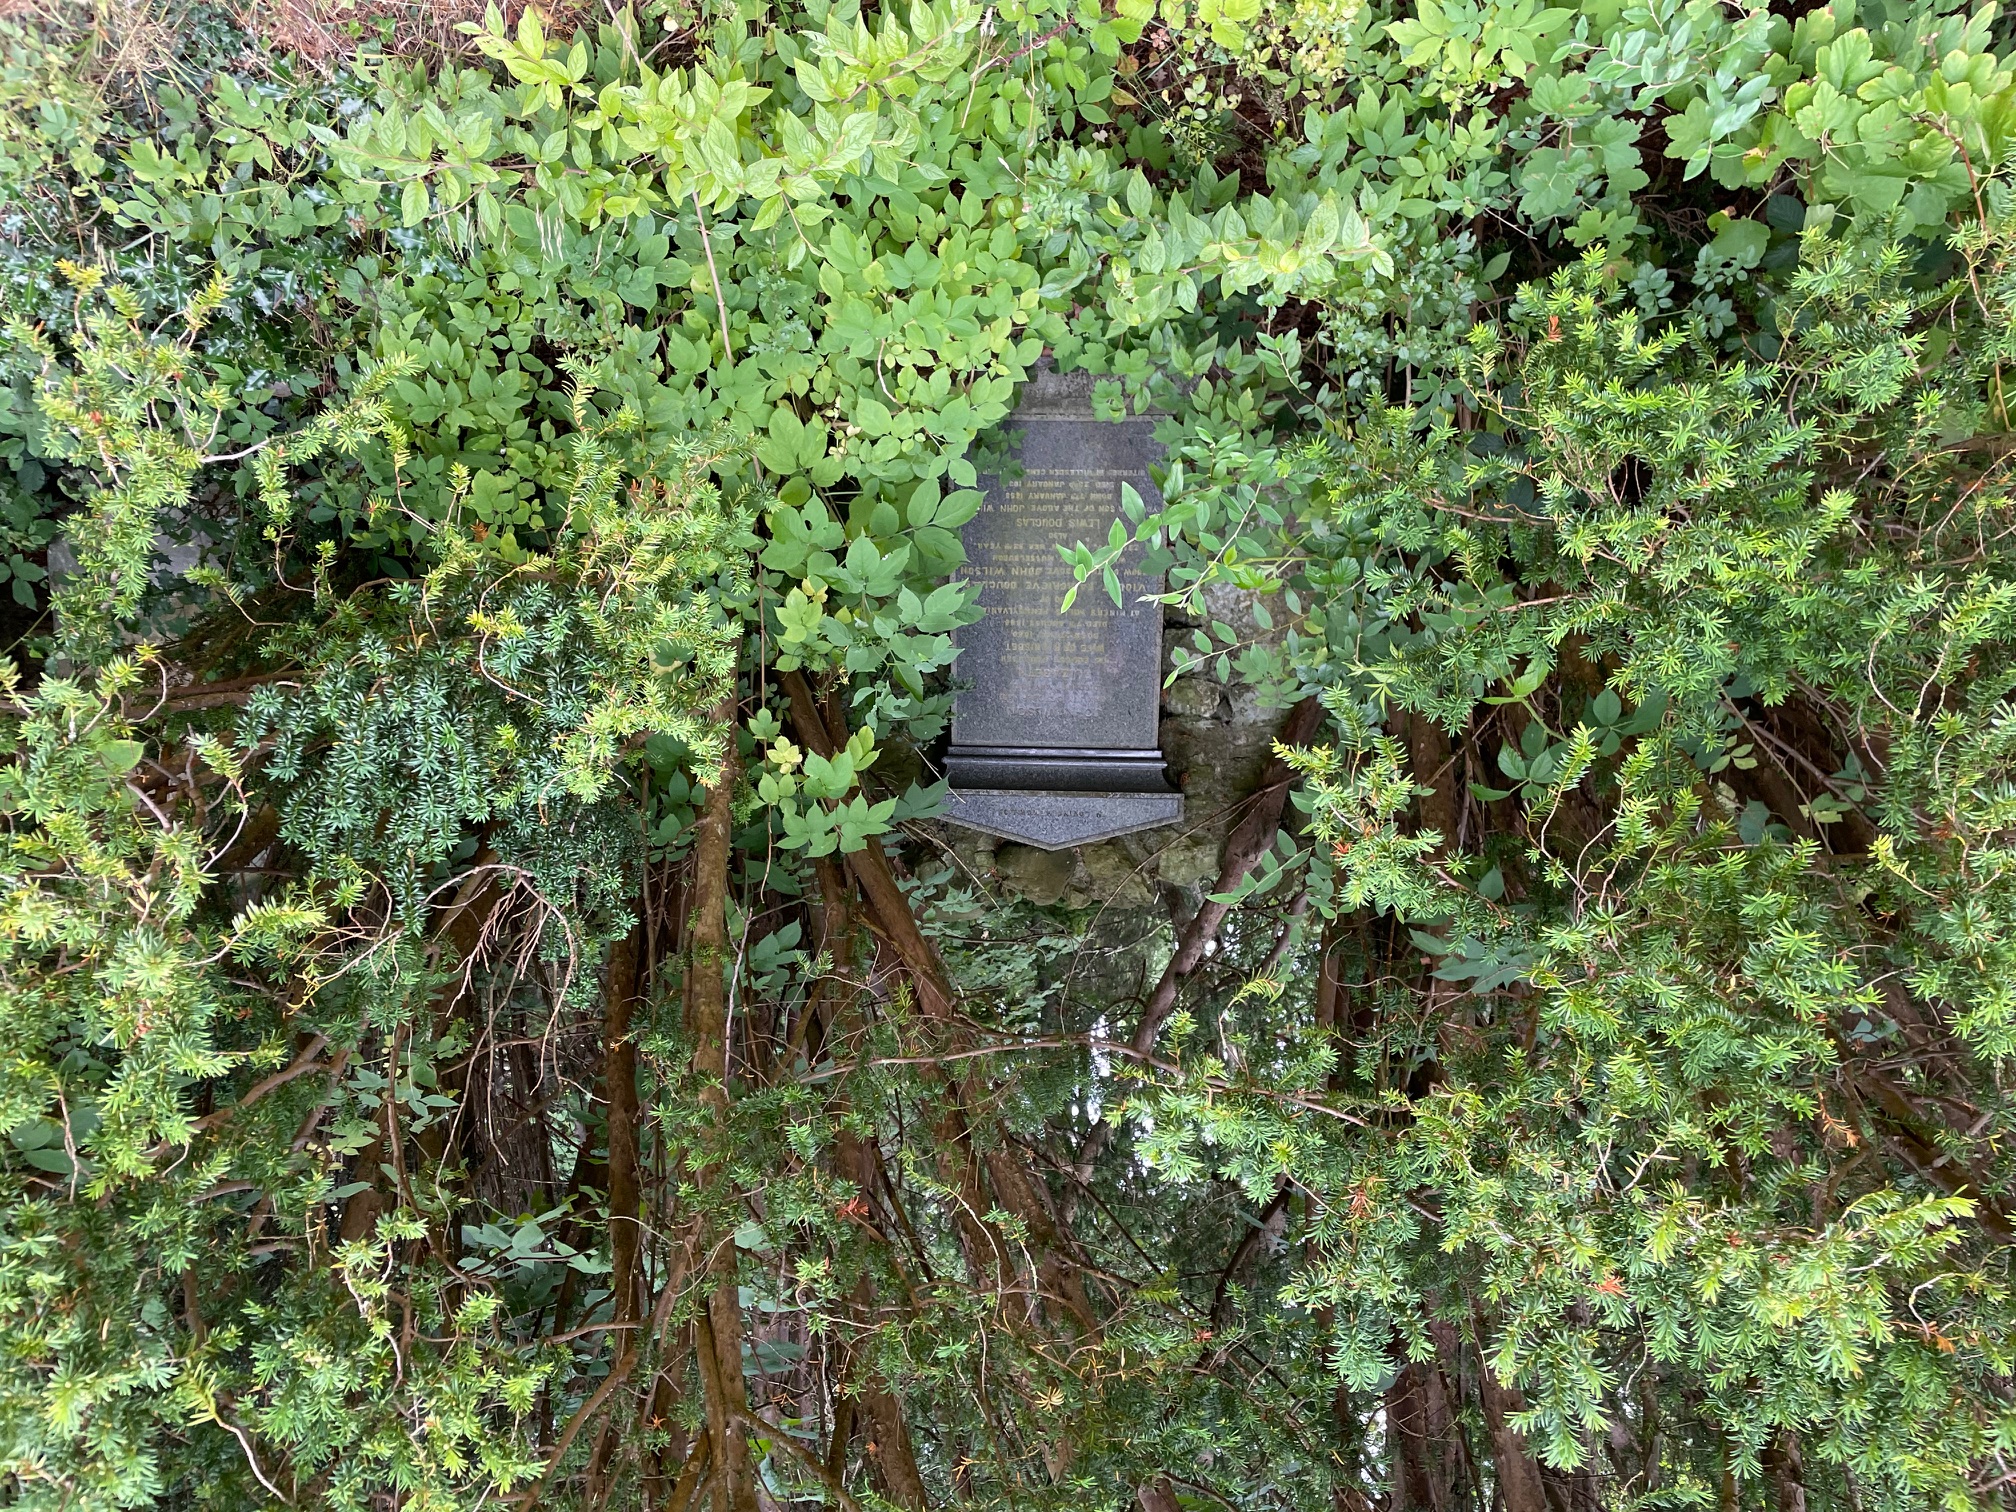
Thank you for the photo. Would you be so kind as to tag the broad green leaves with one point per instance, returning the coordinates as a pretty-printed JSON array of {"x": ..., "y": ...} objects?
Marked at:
[{"x": 1657, "y": 611}]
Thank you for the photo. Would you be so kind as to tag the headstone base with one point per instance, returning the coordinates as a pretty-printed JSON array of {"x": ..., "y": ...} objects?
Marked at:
[
  {"x": 1044, "y": 770},
  {"x": 1056, "y": 821}
]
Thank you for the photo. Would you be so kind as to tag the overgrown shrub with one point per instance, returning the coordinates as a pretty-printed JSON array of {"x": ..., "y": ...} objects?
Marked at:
[{"x": 488, "y": 1018}]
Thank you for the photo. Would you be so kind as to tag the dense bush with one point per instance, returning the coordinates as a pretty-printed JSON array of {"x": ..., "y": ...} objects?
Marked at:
[{"x": 488, "y": 1017}]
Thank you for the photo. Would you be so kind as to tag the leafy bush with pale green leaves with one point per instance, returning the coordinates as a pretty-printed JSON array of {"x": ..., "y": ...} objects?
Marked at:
[{"x": 489, "y": 1019}]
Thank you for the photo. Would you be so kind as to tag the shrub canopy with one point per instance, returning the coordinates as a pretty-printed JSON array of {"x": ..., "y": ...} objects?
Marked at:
[{"x": 490, "y": 1017}]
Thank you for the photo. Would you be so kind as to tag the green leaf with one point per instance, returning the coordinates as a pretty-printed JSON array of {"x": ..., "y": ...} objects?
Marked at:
[
  {"x": 872, "y": 416},
  {"x": 1140, "y": 198}
]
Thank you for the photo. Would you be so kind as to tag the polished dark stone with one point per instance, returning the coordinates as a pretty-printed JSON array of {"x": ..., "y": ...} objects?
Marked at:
[{"x": 1055, "y": 740}]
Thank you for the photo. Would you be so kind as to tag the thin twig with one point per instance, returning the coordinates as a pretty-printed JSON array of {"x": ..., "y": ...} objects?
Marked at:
[{"x": 720, "y": 304}]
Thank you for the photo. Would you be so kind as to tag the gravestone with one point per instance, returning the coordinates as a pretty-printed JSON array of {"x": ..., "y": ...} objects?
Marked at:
[{"x": 1054, "y": 743}]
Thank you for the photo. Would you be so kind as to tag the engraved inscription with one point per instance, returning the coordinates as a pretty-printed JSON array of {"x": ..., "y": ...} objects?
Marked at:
[
  {"x": 1052, "y": 663},
  {"x": 1082, "y": 679}
]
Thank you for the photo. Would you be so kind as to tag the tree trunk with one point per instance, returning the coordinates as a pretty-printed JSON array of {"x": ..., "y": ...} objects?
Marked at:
[
  {"x": 870, "y": 866},
  {"x": 1428, "y": 753},
  {"x": 890, "y": 1454},
  {"x": 1330, "y": 987},
  {"x": 1520, "y": 1485},
  {"x": 719, "y": 1328},
  {"x": 1785, "y": 1466},
  {"x": 619, "y": 1096},
  {"x": 674, "y": 1347},
  {"x": 1244, "y": 846},
  {"x": 1572, "y": 1490},
  {"x": 619, "y": 1073},
  {"x": 891, "y": 1449},
  {"x": 1420, "y": 1426}
]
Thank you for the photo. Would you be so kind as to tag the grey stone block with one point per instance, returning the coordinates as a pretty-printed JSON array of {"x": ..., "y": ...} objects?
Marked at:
[
  {"x": 1041, "y": 876},
  {"x": 1057, "y": 821}
]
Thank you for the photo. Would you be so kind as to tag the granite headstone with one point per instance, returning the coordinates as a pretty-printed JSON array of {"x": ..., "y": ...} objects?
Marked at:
[{"x": 1054, "y": 741}]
